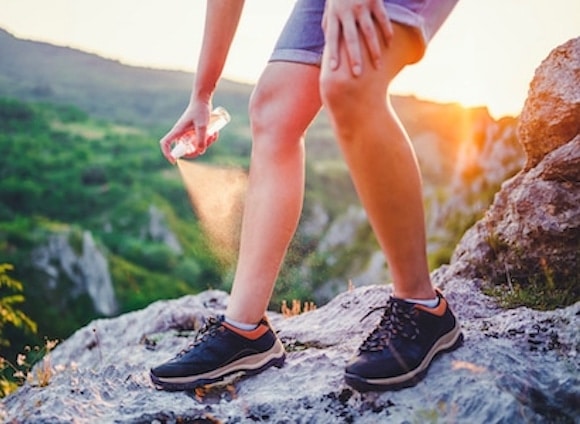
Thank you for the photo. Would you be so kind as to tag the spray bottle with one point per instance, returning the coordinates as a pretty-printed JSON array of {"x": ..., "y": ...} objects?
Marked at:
[{"x": 183, "y": 145}]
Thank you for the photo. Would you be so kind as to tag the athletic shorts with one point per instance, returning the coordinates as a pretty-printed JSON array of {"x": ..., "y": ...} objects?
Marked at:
[{"x": 302, "y": 39}]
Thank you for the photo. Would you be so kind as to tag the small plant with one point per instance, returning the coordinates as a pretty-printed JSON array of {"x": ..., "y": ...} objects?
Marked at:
[
  {"x": 539, "y": 290},
  {"x": 533, "y": 294},
  {"x": 351, "y": 287},
  {"x": 217, "y": 391},
  {"x": 297, "y": 308},
  {"x": 32, "y": 366},
  {"x": 442, "y": 412}
]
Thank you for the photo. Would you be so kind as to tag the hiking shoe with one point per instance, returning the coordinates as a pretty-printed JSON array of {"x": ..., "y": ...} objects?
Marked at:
[
  {"x": 400, "y": 349},
  {"x": 220, "y": 350}
]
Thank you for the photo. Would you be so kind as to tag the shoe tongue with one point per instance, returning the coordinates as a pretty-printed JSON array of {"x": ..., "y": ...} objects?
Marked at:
[{"x": 400, "y": 307}]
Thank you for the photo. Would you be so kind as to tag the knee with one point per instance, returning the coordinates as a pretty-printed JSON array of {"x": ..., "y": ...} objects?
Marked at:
[
  {"x": 259, "y": 112},
  {"x": 339, "y": 91},
  {"x": 273, "y": 133}
]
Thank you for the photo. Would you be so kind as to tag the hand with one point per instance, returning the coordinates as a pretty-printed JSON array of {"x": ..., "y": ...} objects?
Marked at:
[
  {"x": 196, "y": 118},
  {"x": 343, "y": 20}
]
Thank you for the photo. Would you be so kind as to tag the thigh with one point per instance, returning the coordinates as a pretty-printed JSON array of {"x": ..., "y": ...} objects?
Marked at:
[{"x": 370, "y": 88}]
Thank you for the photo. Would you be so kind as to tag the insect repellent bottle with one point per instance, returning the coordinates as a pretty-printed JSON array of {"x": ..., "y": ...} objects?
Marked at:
[{"x": 184, "y": 144}]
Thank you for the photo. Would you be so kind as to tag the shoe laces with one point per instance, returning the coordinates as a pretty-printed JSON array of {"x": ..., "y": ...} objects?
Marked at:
[
  {"x": 208, "y": 330},
  {"x": 398, "y": 321}
]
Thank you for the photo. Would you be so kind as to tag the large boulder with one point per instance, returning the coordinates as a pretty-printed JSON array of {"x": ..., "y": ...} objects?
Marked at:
[
  {"x": 551, "y": 114},
  {"x": 531, "y": 232}
]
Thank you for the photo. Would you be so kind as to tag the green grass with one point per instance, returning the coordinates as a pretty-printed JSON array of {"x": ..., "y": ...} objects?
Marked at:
[{"x": 537, "y": 292}]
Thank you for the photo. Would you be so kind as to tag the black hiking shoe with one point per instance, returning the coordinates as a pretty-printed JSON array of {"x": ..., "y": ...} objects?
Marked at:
[
  {"x": 400, "y": 349},
  {"x": 220, "y": 350}
]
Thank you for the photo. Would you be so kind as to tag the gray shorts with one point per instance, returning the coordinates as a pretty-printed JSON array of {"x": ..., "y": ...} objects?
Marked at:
[{"x": 302, "y": 39}]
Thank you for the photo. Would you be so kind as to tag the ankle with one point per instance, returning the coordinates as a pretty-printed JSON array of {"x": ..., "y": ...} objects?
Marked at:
[{"x": 427, "y": 293}]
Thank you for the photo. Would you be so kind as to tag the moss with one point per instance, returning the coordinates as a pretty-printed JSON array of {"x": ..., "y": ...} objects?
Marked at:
[
  {"x": 539, "y": 292},
  {"x": 75, "y": 240}
]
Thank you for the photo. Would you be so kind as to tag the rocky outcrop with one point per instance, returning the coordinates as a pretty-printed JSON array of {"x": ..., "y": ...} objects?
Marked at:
[
  {"x": 74, "y": 256},
  {"x": 158, "y": 230},
  {"x": 532, "y": 230},
  {"x": 72, "y": 264},
  {"x": 517, "y": 365}
]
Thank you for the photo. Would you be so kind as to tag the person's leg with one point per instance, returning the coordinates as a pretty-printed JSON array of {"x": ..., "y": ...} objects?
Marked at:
[
  {"x": 382, "y": 161},
  {"x": 398, "y": 352},
  {"x": 283, "y": 104}
]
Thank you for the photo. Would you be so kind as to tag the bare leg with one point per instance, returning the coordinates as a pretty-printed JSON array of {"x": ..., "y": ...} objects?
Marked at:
[
  {"x": 285, "y": 101},
  {"x": 381, "y": 159}
]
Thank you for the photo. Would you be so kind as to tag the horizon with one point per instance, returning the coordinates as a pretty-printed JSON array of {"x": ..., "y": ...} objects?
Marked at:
[{"x": 464, "y": 63}]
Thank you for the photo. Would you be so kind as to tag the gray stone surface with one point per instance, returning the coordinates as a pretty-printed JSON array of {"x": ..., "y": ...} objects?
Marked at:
[{"x": 515, "y": 366}]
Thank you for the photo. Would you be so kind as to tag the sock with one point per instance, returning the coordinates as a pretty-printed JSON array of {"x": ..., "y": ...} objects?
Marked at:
[
  {"x": 241, "y": 325},
  {"x": 430, "y": 303}
]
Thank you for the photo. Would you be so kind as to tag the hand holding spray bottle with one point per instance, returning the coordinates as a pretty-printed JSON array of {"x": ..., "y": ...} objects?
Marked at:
[{"x": 184, "y": 144}]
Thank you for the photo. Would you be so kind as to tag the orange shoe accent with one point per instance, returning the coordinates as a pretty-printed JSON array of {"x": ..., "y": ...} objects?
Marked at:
[
  {"x": 439, "y": 310},
  {"x": 254, "y": 334}
]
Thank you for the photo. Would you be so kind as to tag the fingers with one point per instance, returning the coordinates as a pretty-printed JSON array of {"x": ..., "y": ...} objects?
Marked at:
[
  {"x": 166, "y": 143},
  {"x": 201, "y": 131},
  {"x": 368, "y": 22},
  {"x": 210, "y": 140},
  {"x": 381, "y": 18},
  {"x": 331, "y": 27},
  {"x": 359, "y": 25},
  {"x": 194, "y": 119},
  {"x": 352, "y": 44}
]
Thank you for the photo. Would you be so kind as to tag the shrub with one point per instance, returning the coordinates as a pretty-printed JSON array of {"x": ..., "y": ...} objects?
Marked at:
[{"x": 9, "y": 314}]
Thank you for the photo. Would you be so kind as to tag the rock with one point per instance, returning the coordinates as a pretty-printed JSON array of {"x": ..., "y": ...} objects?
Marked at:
[
  {"x": 158, "y": 230},
  {"x": 82, "y": 263},
  {"x": 489, "y": 154},
  {"x": 533, "y": 226},
  {"x": 551, "y": 114},
  {"x": 531, "y": 231},
  {"x": 516, "y": 365},
  {"x": 343, "y": 230}
]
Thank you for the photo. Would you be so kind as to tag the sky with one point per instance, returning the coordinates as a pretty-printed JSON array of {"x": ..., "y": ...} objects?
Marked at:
[{"x": 484, "y": 55}]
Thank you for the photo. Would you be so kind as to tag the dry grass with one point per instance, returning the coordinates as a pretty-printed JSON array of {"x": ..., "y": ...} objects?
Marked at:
[
  {"x": 297, "y": 308},
  {"x": 33, "y": 366}
]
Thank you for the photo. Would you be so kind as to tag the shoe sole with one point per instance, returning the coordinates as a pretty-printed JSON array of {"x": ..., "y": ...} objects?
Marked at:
[
  {"x": 249, "y": 365},
  {"x": 447, "y": 343}
]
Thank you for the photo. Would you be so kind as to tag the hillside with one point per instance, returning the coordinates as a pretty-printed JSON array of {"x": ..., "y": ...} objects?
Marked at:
[
  {"x": 152, "y": 99},
  {"x": 101, "y": 87},
  {"x": 85, "y": 209}
]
